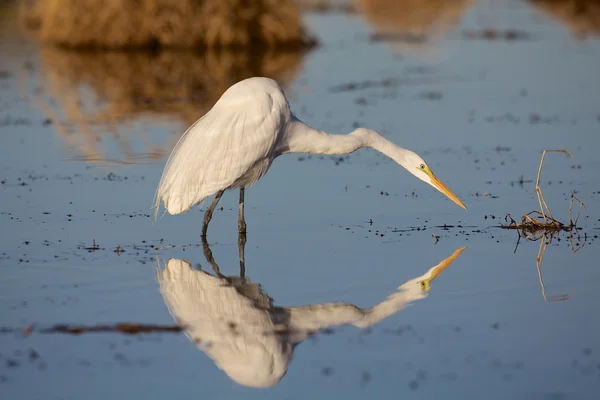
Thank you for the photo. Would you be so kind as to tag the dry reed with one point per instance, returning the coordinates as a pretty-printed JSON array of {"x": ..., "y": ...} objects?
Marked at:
[
  {"x": 540, "y": 225},
  {"x": 414, "y": 27},
  {"x": 419, "y": 19},
  {"x": 119, "y": 24},
  {"x": 582, "y": 17}
]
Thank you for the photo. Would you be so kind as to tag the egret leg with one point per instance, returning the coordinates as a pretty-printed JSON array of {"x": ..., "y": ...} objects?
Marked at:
[
  {"x": 209, "y": 257},
  {"x": 241, "y": 220},
  {"x": 209, "y": 212},
  {"x": 241, "y": 247}
]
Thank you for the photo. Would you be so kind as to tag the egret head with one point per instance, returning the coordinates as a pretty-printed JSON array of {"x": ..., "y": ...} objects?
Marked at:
[{"x": 419, "y": 168}]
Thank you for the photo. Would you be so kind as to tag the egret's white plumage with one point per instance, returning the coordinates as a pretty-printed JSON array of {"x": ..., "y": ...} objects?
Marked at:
[
  {"x": 253, "y": 340},
  {"x": 232, "y": 145},
  {"x": 235, "y": 143}
]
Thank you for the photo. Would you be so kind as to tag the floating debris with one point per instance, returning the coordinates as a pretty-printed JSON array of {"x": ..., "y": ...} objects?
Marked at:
[
  {"x": 94, "y": 247},
  {"x": 437, "y": 238},
  {"x": 537, "y": 224},
  {"x": 391, "y": 82},
  {"x": 128, "y": 328},
  {"x": 540, "y": 225},
  {"x": 494, "y": 34}
]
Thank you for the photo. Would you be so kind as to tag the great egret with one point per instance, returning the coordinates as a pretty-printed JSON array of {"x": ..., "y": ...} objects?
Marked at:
[
  {"x": 237, "y": 325},
  {"x": 235, "y": 143}
]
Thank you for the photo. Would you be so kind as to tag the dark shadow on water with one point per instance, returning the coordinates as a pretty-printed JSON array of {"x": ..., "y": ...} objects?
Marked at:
[
  {"x": 93, "y": 99},
  {"x": 236, "y": 323}
]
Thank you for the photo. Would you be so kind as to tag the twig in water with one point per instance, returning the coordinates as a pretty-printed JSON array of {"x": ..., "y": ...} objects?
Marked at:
[{"x": 541, "y": 225}]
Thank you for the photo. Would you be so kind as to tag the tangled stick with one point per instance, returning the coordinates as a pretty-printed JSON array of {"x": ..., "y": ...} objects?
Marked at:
[
  {"x": 541, "y": 225},
  {"x": 537, "y": 224}
]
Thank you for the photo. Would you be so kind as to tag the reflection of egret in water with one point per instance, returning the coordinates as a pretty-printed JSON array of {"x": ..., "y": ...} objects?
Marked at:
[
  {"x": 94, "y": 97},
  {"x": 582, "y": 17},
  {"x": 413, "y": 26},
  {"x": 236, "y": 324}
]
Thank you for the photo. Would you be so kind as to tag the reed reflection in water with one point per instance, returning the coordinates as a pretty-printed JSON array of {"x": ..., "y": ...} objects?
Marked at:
[
  {"x": 413, "y": 27},
  {"x": 235, "y": 322},
  {"x": 581, "y": 17},
  {"x": 94, "y": 98}
]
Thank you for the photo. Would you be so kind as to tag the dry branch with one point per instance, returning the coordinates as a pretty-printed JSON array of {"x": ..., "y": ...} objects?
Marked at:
[
  {"x": 538, "y": 223},
  {"x": 541, "y": 225}
]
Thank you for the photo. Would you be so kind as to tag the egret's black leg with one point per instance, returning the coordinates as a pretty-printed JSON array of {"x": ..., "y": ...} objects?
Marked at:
[
  {"x": 209, "y": 212},
  {"x": 241, "y": 247},
  {"x": 210, "y": 258},
  {"x": 241, "y": 220}
]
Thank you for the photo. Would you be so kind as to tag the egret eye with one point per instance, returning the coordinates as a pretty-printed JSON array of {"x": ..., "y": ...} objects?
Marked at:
[{"x": 422, "y": 167}]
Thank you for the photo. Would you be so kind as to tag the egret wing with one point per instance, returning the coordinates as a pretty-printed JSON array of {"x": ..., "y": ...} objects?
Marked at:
[{"x": 230, "y": 141}]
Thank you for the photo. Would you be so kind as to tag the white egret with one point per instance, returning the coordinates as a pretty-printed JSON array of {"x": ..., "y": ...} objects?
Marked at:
[
  {"x": 237, "y": 325},
  {"x": 235, "y": 143}
]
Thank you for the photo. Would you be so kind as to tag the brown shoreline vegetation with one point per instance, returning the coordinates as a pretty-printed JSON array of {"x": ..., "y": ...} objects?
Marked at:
[
  {"x": 92, "y": 96},
  {"x": 413, "y": 20},
  {"x": 152, "y": 24},
  {"x": 582, "y": 17}
]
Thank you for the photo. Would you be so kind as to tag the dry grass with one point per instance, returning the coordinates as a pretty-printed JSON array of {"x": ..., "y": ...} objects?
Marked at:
[
  {"x": 537, "y": 223},
  {"x": 118, "y": 24},
  {"x": 414, "y": 27},
  {"x": 582, "y": 17},
  {"x": 92, "y": 96},
  {"x": 416, "y": 18},
  {"x": 540, "y": 225}
]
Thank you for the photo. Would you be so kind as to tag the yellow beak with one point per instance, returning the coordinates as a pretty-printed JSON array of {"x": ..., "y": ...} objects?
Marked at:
[
  {"x": 439, "y": 185},
  {"x": 435, "y": 271}
]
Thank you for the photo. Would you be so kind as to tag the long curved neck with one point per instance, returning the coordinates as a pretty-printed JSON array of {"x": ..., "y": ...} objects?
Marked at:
[{"x": 302, "y": 138}]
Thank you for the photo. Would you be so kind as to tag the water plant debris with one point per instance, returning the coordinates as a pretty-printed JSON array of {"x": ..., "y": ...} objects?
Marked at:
[{"x": 541, "y": 225}]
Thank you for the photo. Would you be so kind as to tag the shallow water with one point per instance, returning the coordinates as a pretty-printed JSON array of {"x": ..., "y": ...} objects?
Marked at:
[{"x": 82, "y": 149}]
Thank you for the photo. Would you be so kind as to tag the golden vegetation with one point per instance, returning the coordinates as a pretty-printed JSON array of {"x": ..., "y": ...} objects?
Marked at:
[
  {"x": 118, "y": 24},
  {"x": 418, "y": 19},
  {"x": 581, "y": 16},
  {"x": 413, "y": 27},
  {"x": 92, "y": 97}
]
